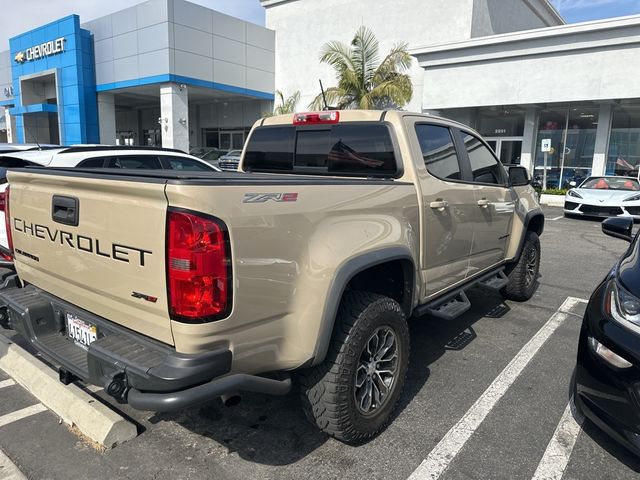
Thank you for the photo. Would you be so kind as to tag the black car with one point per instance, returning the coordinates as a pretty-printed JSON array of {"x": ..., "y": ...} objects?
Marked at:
[{"x": 607, "y": 377}]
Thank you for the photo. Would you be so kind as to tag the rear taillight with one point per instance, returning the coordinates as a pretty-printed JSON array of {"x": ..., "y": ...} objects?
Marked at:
[
  {"x": 7, "y": 222},
  {"x": 314, "y": 118},
  {"x": 198, "y": 267},
  {"x": 3, "y": 201}
]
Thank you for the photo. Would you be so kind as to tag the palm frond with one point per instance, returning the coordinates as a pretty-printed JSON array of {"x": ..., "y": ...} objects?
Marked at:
[{"x": 363, "y": 81}]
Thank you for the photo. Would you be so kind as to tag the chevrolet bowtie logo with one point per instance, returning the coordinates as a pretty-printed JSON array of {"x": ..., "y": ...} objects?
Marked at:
[{"x": 20, "y": 57}]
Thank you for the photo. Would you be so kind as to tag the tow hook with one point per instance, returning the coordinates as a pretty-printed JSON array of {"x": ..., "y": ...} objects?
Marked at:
[{"x": 118, "y": 387}]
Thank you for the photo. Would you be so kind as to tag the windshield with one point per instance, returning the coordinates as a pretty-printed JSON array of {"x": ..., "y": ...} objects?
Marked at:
[{"x": 611, "y": 183}]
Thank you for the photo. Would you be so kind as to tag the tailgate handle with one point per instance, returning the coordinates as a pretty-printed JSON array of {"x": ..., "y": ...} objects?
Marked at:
[{"x": 65, "y": 210}]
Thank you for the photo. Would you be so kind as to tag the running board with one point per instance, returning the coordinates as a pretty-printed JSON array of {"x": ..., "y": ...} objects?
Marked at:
[
  {"x": 453, "y": 304},
  {"x": 450, "y": 308},
  {"x": 497, "y": 282}
]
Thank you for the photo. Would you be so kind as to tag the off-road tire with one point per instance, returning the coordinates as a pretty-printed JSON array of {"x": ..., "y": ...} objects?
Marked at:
[
  {"x": 522, "y": 282},
  {"x": 327, "y": 390}
]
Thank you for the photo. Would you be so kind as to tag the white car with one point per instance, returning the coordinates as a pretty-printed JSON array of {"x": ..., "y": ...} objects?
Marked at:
[
  {"x": 93, "y": 156},
  {"x": 104, "y": 156},
  {"x": 604, "y": 197}
]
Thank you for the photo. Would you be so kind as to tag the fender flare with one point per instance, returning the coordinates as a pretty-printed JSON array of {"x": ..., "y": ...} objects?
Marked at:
[
  {"x": 536, "y": 213},
  {"x": 346, "y": 272}
]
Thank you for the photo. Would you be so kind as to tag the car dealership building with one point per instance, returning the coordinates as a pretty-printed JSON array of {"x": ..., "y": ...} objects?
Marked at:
[
  {"x": 511, "y": 69},
  {"x": 174, "y": 73},
  {"x": 164, "y": 72}
]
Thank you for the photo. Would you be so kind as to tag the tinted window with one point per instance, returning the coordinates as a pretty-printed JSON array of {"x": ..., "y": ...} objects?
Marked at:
[
  {"x": 438, "y": 151},
  {"x": 8, "y": 162},
  {"x": 91, "y": 163},
  {"x": 186, "y": 164},
  {"x": 312, "y": 148},
  {"x": 484, "y": 166},
  {"x": 147, "y": 162},
  {"x": 351, "y": 149},
  {"x": 270, "y": 148}
]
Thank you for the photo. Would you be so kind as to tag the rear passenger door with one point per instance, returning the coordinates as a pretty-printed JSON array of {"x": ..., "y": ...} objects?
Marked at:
[
  {"x": 495, "y": 204},
  {"x": 448, "y": 209}
]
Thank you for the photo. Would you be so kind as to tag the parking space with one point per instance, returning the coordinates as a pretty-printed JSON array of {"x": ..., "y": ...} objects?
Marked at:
[{"x": 486, "y": 397}]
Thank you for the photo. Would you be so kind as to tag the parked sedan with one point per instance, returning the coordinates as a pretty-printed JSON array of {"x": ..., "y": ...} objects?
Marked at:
[
  {"x": 604, "y": 197},
  {"x": 607, "y": 377}
]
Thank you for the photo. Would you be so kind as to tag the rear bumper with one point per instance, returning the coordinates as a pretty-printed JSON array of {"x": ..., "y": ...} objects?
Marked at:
[{"x": 131, "y": 367}]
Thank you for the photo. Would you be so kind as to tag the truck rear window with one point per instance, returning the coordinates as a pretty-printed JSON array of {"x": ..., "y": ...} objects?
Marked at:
[{"x": 345, "y": 149}]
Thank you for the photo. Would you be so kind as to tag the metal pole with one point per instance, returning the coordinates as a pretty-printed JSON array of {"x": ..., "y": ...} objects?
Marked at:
[{"x": 544, "y": 173}]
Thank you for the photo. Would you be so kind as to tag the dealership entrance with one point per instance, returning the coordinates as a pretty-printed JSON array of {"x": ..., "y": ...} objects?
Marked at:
[{"x": 508, "y": 149}]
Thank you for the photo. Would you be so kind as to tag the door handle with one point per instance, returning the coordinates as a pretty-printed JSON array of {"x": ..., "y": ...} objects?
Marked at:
[
  {"x": 483, "y": 203},
  {"x": 439, "y": 204}
]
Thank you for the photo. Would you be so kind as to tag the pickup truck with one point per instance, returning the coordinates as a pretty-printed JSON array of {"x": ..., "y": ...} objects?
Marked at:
[{"x": 170, "y": 289}]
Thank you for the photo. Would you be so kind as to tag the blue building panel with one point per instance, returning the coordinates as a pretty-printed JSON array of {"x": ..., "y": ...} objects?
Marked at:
[{"x": 75, "y": 69}]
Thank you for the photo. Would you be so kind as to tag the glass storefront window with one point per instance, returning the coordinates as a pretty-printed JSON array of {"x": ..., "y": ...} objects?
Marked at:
[
  {"x": 572, "y": 131},
  {"x": 624, "y": 141}
]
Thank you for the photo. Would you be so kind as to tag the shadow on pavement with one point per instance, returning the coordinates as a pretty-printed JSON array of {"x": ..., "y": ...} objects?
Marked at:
[
  {"x": 611, "y": 446},
  {"x": 274, "y": 430}
]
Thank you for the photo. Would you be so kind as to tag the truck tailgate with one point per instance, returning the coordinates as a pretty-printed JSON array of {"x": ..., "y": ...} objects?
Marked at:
[{"x": 111, "y": 262}]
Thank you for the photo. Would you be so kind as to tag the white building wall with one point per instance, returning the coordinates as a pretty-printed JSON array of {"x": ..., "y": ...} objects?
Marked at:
[
  {"x": 303, "y": 26},
  {"x": 591, "y": 61}
]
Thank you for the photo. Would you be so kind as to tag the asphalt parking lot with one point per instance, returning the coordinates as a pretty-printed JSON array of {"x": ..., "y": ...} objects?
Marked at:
[{"x": 486, "y": 397}]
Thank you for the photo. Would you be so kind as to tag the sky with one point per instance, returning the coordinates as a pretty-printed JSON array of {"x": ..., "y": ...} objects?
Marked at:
[
  {"x": 584, "y": 10},
  {"x": 39, "y": 12}
]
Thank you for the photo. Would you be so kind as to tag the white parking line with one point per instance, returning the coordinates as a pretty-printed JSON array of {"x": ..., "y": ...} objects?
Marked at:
[
  {"x": 557, "y": 218},
  {"x": 20, "y": 414},
  {"x": 446, "y": 450},
  {"x": 556, "y": 456},
  {"x": 7, "y": 383}
]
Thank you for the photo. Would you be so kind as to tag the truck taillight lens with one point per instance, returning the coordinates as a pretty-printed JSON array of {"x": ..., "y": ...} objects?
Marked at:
[
  {"x": 3, "y": 201},
  {"x": 7, "y": 222},
  {"x": 198, "y": 267}
]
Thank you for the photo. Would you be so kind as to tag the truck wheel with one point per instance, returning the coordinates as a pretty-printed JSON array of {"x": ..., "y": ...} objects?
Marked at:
[
  {"x": 352, "y": 394},
  {"x": 524, "y": 273}
]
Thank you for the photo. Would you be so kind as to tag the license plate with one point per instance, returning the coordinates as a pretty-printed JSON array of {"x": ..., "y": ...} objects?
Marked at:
[{"x": 81, "y": 332}]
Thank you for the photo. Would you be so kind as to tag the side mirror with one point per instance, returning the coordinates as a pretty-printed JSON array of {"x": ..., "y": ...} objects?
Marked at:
[
  {"x": 572, "y": 183},
  {"x": 619, "y": 227},
  {"x": 518, "y": 176}
]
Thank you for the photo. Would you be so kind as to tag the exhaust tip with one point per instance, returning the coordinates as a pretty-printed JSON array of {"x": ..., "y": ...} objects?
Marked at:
[{"x": 231, "y": 400}]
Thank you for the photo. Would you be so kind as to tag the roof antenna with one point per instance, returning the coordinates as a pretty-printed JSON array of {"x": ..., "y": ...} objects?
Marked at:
[
  {"x": 324, "y": 98},
  {"x": 31, "y": 133}
]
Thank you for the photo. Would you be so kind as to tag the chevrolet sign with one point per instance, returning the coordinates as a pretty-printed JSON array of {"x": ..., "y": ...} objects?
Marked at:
[{"x": 40, "y": 51}]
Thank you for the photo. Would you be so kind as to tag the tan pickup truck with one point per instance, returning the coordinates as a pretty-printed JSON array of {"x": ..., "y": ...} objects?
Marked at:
[{"x": 170, "y": 288}]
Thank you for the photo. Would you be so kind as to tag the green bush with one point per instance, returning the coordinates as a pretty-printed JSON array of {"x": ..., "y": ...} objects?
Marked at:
[{"x": 555, "y": 191}]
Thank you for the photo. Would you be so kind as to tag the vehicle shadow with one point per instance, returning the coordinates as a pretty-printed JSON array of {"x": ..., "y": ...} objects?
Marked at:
[
  {"x": 274, "y": 430},
  {"x": 612, "y": 447}
]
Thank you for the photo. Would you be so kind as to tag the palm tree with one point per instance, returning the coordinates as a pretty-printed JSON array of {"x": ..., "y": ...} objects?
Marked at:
[
  {"x": 287, "y": 105},
  {"x": 363, "y": 81}
]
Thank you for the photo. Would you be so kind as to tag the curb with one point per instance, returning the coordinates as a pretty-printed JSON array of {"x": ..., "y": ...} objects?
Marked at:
[
  {"x": 8, "y": 469},
  {"x": 73, "y": 405},
  {"x": 552, "y": 200}
]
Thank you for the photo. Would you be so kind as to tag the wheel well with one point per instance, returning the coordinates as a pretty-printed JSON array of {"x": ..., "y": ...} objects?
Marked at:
[
  {"x": 393, "y": 279},
  {"x": 536, "y": 224}
]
